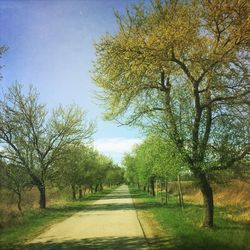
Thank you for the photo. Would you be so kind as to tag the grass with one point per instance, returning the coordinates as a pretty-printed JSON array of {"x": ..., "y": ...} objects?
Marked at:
[
  {"x": 35, "y": 221},
  {"x": 185, "y": 226}
]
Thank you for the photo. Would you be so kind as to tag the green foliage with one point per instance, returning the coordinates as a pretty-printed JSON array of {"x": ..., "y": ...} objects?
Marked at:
[
  {"x": 131, "y": 173},
  {"x": 74, "y": 166},
  {"x": 115, "y": 176},
  {"x": 157, "y": 157},
  {"x": 179, "y": 68},
  {"x": 82, "y": 166}
]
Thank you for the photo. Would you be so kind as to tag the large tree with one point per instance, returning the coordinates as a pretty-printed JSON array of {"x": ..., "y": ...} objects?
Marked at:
[
  {"x": 185, "y": 67},
  {"x": 34, "y": 141}
]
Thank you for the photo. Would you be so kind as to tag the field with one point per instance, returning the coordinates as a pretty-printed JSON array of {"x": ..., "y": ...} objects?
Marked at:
[
  {"x": 9, "y": 214},
  {"x": 234, "y": 193},
  {"x": 182, "y": 227}
]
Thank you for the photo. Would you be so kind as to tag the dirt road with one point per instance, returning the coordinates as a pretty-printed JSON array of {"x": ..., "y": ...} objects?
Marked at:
[{"x": 109, "y": 223}]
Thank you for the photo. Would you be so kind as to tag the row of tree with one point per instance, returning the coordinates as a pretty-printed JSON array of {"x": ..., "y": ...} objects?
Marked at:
[
  {"x": 155, "y": 157},
  {"x": 180, "y": 69},
  {"x": 156, "y": 162},
  {"x": 84, "y": 168},
  {"x": 40, "y": 147}
]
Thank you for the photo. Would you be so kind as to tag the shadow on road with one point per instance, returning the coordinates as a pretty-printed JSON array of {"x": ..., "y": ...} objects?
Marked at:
[
  {"x": 122, "y": 243},
  {"x": 108, "y": 243}
]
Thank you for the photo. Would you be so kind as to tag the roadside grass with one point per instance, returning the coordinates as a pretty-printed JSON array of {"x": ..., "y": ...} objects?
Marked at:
[
  {"x": 185, "y": 228},
  {"x": 35, "y": 221}
]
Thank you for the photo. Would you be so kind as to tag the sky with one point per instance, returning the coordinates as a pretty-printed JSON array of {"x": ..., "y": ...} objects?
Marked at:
[{"x": 51, "y": 46}]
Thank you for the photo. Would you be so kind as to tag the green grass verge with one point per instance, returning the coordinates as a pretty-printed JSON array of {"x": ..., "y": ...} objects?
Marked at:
[
  {"x": 35, "y": 221},
  {"x": 185, "y": 226}
]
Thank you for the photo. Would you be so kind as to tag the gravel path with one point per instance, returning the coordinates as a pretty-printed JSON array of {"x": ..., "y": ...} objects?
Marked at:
[{"x": 109, "y": 223}]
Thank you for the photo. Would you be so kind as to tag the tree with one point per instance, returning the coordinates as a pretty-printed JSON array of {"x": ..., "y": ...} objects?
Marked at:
[
  {"x": 33, "y": 141},
  {"x": 76, "y": 168},
  {"x": 145, "y": 166},
  {"x": 103, "y": 165},
  {"x": 156, "y": 158},
  {"x": 131, "y": 173},
  {"x": 16, "y": 180},
  {"x": 83, "y": 167},
  {"x": 184, "y": 67},
  {"x": 114, "y": 176},
  {"x": 69, "y": 170}
]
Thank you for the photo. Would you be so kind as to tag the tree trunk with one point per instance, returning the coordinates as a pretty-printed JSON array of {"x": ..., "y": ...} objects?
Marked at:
[
  {"x": 42, "y": 201},
  {"x": 152, "y": 185},
  {"x": 166, "y": 191},
  {"x": 19, "y": 196},
  {"x": 156, "y": 185},
  {"x": 80, "y": 192},
  {"x": 101, "y": 187},
  {"x": 208, "y": 201},
  {"x": 180, "y": 193},
  {"x": 73, "y": 192},
  {"x": 96, "y": 188},
  {"x": 161, "y": 190}
]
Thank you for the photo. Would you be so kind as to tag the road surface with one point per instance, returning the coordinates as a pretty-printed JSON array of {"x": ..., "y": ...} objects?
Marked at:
[{"x": 109, "y": 223}]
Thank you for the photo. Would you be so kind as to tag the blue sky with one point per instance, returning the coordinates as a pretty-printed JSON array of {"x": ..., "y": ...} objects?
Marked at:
[{"x": 51, "y": 46}]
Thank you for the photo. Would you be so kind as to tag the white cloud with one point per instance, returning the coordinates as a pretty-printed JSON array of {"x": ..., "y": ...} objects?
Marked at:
[{"x": 114, "y": 146}]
